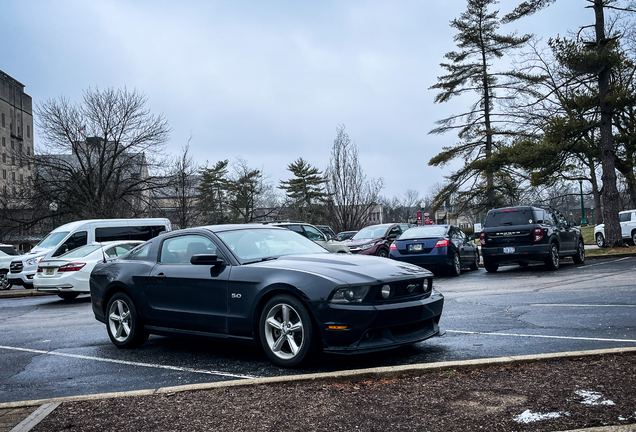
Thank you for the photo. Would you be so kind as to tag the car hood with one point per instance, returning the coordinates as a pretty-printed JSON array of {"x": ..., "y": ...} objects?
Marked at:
[
  {"x": 348, "y": 268},
  {"x": 353, "y": 243}
]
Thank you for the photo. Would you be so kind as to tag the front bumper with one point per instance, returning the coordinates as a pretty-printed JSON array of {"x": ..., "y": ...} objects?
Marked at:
[
  {"x": 379, "y": 327},
  {"x": 536, "y": 252}
]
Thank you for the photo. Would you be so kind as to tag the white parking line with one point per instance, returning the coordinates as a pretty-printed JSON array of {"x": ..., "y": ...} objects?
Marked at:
[
  {"x": 580, "y": 305},
  {"x": 543, "y": 336},
  {"x": 130, "y": 363}
]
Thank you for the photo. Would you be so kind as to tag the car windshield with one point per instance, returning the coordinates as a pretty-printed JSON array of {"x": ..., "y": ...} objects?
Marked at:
[
  {"x": 509, "y": 217},
  {"x": 370, "y": 233},
  {"x": 80, "y": 252},
  {"x": 430, "y": 231},
  {"x": 53, "y": 239},
  {"x": 260, "y": 244}
]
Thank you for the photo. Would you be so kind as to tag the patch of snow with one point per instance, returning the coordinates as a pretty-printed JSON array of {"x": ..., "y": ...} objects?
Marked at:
[
  {"x": 528, "y": 416},
  {"x": 593, "y": 398}
]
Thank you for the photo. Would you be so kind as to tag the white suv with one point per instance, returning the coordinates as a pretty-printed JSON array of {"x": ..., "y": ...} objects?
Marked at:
[{"x": 628, "y": 228}]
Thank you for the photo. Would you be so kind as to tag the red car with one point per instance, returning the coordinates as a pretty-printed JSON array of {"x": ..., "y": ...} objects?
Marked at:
[{"x": 376, "y": 239}]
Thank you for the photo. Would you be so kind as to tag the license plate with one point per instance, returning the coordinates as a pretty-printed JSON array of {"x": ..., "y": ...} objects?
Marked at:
[
  {"x": 415, "y": 247},
  {"x": 49, "y": 271},
  {"x": 509, "y": 250}
]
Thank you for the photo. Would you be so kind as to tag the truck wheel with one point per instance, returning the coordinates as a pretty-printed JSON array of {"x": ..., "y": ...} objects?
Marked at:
[
  {"x": 490, "y": 267},
  {"x": 552, "y": 260}
]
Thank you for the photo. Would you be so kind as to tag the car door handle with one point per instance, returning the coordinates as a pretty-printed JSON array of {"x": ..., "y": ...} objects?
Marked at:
[{"x": 159, "y": 276}]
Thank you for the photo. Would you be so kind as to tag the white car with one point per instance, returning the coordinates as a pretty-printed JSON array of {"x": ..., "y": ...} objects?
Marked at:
[
  {"x": 7, "y": 254},
  {"x": 68, "y": 275},
  {"x": 628, "y": 228}
]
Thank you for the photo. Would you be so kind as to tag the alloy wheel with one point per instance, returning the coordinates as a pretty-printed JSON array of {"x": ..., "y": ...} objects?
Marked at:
[
  {"x": 284, "y": 331},
  {"x": 119, "y": 322}
]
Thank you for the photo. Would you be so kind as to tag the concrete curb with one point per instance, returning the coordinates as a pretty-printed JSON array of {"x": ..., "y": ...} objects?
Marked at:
[{"x": 353, "y": 375}]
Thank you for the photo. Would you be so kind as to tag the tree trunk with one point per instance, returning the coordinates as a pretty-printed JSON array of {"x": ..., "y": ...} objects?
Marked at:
[{"x": 608, "y": 156}]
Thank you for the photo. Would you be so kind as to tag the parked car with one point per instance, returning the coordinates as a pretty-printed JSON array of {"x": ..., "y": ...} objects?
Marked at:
[
  {"x": 524, "y": 234},
  {"x": 436, "y": 247},
  {"x": 75, "y": 234},
  {"x": 266, "y": 285},
  {"x": 7, "y": 254},
  {"x": 376, "y": 239},
  {"x": 67, "y": 275},
  {"x": 313, "y": 234},
  {"x": 628, "y": 228},
  {"x": 345, "y": 235},
  {"x": 326, "y": 230}
]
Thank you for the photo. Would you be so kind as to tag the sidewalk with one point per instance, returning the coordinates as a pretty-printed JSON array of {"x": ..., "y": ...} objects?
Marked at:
[{"x": 552, "y": 392}]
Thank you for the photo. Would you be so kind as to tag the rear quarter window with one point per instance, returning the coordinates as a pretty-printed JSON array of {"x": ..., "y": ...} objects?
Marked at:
[{"x": 509, "y": 217}]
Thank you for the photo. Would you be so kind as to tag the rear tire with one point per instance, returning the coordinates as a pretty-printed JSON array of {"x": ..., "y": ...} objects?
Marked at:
[
  {"x": 634, "y": 237},
  {"x": 490, "y": 267},
  {"x": 68, "y": 296},
  {"x": 600, "y": 240},
  {"x": 123, "y": 324},
  {"x": 579, "y": 256},
  {"x": 4, "y": 282},
  {"x": 456, "y": 268},
  {"x": 552, "y": 261},
  {"x": 382, "y": 253}
]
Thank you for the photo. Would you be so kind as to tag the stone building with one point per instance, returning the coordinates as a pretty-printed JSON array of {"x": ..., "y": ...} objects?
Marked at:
[{"x": 16, "y": 135}]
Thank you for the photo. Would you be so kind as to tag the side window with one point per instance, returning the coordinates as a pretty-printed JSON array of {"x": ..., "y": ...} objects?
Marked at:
[
  {"x": 313, "y": 234},
  {"x": 624, "y": 217},
  {"x": 128, "y": 233},
  {"x": 295, "y": 228},
  {"x": 395, "y": 231},
  {"x": 76, "y": 240},
  {"x": 140, "y": 253},
  {"x": 118, "y": 250},
  {"x": 179, "y": 250}
]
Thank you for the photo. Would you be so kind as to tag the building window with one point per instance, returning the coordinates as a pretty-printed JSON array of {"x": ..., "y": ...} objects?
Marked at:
[
  {"x": 28, "y": 131},
  {"x": 29, "y": 165},
  {"x": 21, "y": 179},
  {"x": 12, "y": 160},
  {"x": 4, "y": 143},
  {"x": 4, "y": 158},
  {"x": 4, "y": 174},
  {"x": 13, "y": 176},
  {"x": 20, "y": 147},
  {"x": 12, "y": 145},
  {"x": 2, "y": 119}
]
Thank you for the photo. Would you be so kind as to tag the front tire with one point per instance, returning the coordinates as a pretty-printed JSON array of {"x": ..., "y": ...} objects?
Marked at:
[
  {"x": 600, "y": 240},
  {"x": 579, "y": 256},
  {"x": 382, "y": 253},
  {"x": 552, "y": 261},
  {"x": 634, "y": 237},
  {"x": 123, "y": 324},
  {"x": 286, "y": 331}
]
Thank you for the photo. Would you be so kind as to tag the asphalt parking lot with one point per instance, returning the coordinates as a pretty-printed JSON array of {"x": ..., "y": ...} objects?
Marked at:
[{"x": 53, "y": 348}]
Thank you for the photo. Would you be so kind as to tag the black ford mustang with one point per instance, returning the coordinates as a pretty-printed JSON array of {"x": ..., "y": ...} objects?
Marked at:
[{"x": 265, "y": 285}]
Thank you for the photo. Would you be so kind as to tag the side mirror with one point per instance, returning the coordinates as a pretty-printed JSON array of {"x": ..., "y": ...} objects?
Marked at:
[{"x": 205, "y": 259}]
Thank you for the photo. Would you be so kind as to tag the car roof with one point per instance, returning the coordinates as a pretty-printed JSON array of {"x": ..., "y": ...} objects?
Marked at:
[{"x": 229, "y": 227}]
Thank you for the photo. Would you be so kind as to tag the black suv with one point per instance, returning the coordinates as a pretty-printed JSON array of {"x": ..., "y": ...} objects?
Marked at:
[{"x": 523, "y": 234}]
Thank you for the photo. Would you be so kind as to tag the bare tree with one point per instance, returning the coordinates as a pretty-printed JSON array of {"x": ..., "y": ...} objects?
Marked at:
[
  {"x": 351, "y": 195},
  {"x": 182, "y": 190},
  {"x": 101, "y": 156}
]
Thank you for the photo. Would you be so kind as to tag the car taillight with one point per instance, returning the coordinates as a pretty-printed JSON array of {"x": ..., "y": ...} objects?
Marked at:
[
  {"x": 537, "y": 234},
  {"x": 40, "y": 269},
  {"x": 482, "y": 238},
  {"x": 71, "y": 267},
  {"x": 393, "y": 246},
  {"x": 441, "y": 243}
]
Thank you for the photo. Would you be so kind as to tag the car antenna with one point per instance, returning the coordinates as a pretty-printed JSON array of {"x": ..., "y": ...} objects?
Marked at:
[{"x": 101, "y": 246}]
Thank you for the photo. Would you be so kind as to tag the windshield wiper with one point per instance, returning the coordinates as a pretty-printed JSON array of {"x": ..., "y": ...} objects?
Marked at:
[{"x": 271, "y": 258}]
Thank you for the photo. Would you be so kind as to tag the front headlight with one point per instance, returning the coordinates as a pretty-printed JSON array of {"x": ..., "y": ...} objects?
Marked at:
[
  {"x": 367, "y": 246},
  {"x": 34, "y": 261},
  {"x": 350, "y": 295}
]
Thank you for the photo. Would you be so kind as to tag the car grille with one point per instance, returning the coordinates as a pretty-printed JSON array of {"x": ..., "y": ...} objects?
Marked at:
[
  {"x": 405, "y": 289},
  {"x": 16, "y": 267}
]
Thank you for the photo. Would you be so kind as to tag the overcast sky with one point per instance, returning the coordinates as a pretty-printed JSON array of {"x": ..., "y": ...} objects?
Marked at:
[{"x": 264, "y": 80}]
